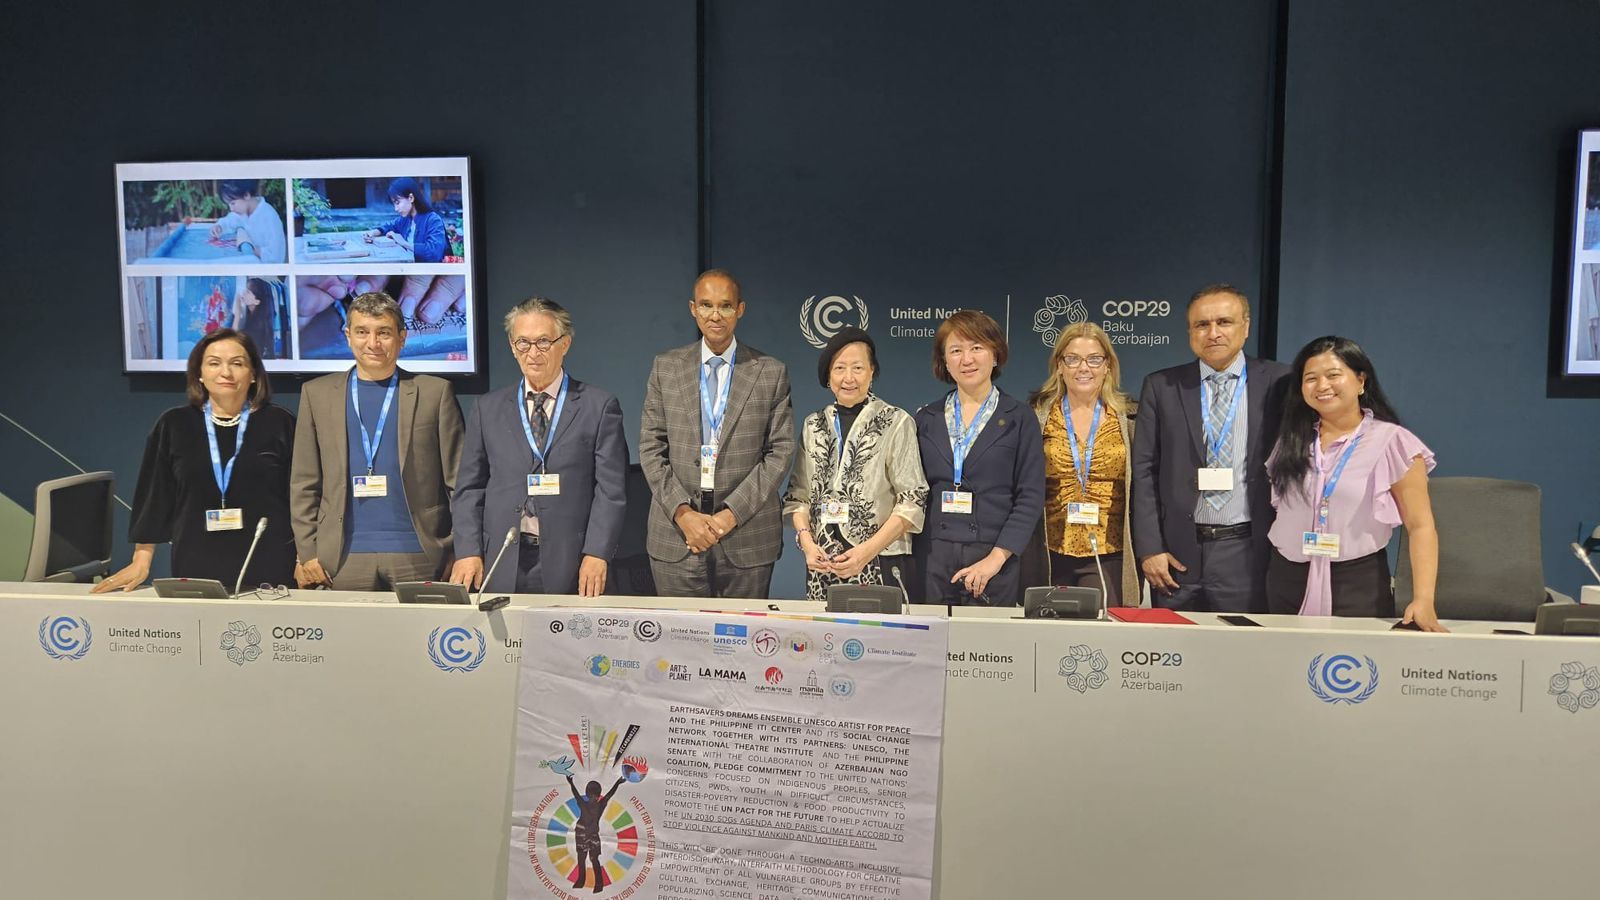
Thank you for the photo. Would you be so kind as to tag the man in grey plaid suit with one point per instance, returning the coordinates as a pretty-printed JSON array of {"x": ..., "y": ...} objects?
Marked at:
[{"x": 716, "y": 437}]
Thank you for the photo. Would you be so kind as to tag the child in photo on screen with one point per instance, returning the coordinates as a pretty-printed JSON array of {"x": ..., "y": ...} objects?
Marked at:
[
  {"x": 417, "y": 227},
  {"x": 251, "y": 222}
]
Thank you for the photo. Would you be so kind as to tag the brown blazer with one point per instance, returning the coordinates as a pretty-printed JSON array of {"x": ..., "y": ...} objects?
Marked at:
[{"x": 430, "y": 430}]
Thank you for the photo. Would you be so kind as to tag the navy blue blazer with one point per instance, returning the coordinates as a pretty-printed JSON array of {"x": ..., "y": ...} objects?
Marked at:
[
  {"x": 1004, "y": 470},
  {"x": 590, "y": 453}
]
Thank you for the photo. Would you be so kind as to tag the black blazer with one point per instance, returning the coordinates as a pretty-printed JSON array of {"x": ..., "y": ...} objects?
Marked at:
[
  {"x": 1004, "y": 470},
  {"x": 1168, "y": 450}
]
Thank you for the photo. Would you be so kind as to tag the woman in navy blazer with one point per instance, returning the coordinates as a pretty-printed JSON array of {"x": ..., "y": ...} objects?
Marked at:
[{"x": 977, "y": 523}]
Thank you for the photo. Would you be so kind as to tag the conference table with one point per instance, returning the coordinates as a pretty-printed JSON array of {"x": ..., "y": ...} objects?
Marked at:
[{"x": 309, "y": 747}]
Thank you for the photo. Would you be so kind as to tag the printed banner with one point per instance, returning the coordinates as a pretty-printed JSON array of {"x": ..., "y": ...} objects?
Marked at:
[{"x": 691, "y": 755}]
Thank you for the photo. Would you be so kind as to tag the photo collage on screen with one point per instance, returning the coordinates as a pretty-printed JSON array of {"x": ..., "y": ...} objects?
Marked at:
[
  {"x": 280, "y": 250},
  {"x": 1583, "y": 314}
]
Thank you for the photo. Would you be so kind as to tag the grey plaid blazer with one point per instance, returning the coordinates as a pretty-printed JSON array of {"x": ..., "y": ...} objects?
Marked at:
[{"x": 752, "y": 460}]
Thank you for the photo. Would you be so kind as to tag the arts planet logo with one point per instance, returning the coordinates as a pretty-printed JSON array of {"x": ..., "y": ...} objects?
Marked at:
[
  {"x": 1576, "y": 687},
  {"x": 452, "y": 649},
  {"x": 1342, "y": 678},
  {"x": 854, "y": 649},
  {"x": 592, "y": 834},
  {"x": 580, "y": 626},
  {"x": 241, "y": 641},
  {"x": 65, "y": 637},
  {"x": 765, "y": 642},
  {"x": 1057, "y": 306},
  {"x": 822, "y": 319},
  {"x": 774, "y": 675},
  {"x": 1083, "y": 668}
]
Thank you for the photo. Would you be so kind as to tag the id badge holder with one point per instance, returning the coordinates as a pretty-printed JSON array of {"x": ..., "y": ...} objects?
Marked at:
[
  {"x": 546, "y": 485},
  {"x": 1314, "y": 543},
  {"x": 1083, "y": 513},
  {"x": 224, "y": 519},
  {"x": 1216, "y": 479},
  {"x": 369, "y": 485},
  {"x": 957, "y": 502},
  {"x": 835, "y": 512},
  {"x": 708, "y": 467}
]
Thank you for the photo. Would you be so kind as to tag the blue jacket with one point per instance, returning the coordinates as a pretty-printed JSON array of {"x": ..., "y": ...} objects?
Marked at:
[
  {"x": 429, "y": 245},
  {"x": 1004, "y": 470}
]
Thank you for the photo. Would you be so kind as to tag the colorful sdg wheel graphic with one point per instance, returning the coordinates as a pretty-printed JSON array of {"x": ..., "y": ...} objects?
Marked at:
[{"x": 617, "y": 830}]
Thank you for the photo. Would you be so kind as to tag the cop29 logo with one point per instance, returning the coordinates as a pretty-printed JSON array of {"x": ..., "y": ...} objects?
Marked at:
[
  {"x": 1055, "y": 307},
  {"x": 820, "y": 319},
  {"x": 1083, "y": 668},
  {"x": 1576, "y": 686},
  {"x": 1342, "y": 678},
  {"x": 65, "y": 637},
  {"x": 451, "y": 649}
]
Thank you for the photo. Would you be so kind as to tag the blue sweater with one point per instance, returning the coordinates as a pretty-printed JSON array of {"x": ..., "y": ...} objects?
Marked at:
[
  {"x": 378, "y": 524},
  {"x": 428, "y": 243}
]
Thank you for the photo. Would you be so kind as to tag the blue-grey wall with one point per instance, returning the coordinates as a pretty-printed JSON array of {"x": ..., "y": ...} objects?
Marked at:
[
  {"x": 1426, "y": 197},
  {"x": 939, "y": 154}
]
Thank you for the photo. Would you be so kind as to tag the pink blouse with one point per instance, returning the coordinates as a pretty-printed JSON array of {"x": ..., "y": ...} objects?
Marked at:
[{"x": 1361, "y": 511}]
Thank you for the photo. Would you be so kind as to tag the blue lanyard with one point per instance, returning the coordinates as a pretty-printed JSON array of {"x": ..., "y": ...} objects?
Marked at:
[
  {"x": 838, "y": 433},
  {"x": 224, "y": 475},
  {"x": 965, "y": 437},
  {"x": 1082, "y": 465},
  {"x": 1333, "y": 479},
  {"x": 370, "y": 444},
  {"x": 715, "y": 411},
  {"x": 1214, "y": 442},
  {"x": 550, "y": 437}
]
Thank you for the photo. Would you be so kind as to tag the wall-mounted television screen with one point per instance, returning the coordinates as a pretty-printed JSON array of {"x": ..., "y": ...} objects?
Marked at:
[
  {"x": 1580, "y": 353},
  {"x": 278, "y": 249}
]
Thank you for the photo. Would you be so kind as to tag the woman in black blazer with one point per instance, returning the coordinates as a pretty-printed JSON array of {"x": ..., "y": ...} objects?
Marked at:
[{"x": 978, "y": 523}]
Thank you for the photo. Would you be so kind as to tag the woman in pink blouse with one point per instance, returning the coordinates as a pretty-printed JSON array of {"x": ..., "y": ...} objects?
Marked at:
[{"x": 1344, "y": 473}]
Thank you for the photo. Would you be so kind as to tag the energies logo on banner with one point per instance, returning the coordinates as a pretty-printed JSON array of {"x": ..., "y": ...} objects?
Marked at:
[
  {"x": 65, "y": 637},
  {"x": 1342, "y": 678},
  {"x": 1084, "y": 668},
  {"x": 594, "y": 842},
  {"x": 820, "y": 319},
  {"x": 1576, "y": 686},
  {"x": 451, "y": 649},
  {"x": 1055, "y": 307},
  {"x": 241, "y": 641}
]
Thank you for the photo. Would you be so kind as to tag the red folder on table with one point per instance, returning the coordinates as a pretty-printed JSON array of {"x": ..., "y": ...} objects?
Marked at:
[{"x": 1156, "y": 616}]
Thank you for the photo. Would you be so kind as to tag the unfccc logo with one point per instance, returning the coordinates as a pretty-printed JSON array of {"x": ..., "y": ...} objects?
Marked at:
[
  {"x": 819, "y": 319},
  {"x": 451, "y": 649},
  {"x": 65, "y": 637},
  {"x": 1342, "y": 678},
  {"x": 1056, "y": 306}
]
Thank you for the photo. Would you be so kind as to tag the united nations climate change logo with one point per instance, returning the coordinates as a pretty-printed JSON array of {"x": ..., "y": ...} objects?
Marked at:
[
  {"x": 1342, "y": 678},
  {"x": 1056, "y": 306},
  {"x": 820, "y": 319},
  {"x": 65, "y": 637},
  {"x": 241, "y": 641},
  {"x": 1576, "y": 686},
  {"x": 1084, "y": 668},
  {"x": 451, "y": 649}
]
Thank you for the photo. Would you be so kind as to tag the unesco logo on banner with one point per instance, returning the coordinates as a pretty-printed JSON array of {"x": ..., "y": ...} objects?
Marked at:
[
  {"x": 1576, "y": 686},
  {"x": 1342, "y": 678},
  {"x": 819, "y": 319},
  {"x": 1057, "y": 306},
  {"x": 1084, "y": 668},
  {"x": 65, "y": 637},
  {"x": 451, "y": 649}
]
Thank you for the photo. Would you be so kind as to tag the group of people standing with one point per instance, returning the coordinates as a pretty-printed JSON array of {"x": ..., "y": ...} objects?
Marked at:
[{"x": 1226, "y": 487}]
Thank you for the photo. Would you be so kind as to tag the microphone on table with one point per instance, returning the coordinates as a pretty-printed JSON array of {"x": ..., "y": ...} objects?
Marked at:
[
  {"x": 261, "y": 528},
  {"x": 1577, "y": 550},
  {"x": 1105, "y": 595},
  {"x": 905, "y": 608},
  {"x": 511, "y": 535}
]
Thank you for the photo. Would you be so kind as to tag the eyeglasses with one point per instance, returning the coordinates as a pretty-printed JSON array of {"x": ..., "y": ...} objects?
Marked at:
[
  {"x": 1072, "y": 362},
  {"x": 523, "y": 345}
]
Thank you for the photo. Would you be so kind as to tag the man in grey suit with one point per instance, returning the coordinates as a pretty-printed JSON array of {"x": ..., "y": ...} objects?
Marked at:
[
  {"x": 1201, "y": 504},
  {"x": 715, "y": 440},
  {"x": 546, "y": 458},
  {"x": 375, "y": 456}
]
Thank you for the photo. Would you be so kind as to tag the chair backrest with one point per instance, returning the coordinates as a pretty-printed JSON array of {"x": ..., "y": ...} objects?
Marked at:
[
  {"x": 1490, "y": 565},
  {"x": 72, "y": 528}
]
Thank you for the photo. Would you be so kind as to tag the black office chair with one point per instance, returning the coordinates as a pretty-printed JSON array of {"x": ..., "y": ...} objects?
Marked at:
[{"x": 72, "y": 528}]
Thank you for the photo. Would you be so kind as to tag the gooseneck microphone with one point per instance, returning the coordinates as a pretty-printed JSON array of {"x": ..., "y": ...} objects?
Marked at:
[
  {"x": 1105, "y": 595},
  {"x": 1577, "y": 550},
  {"x": 511, "y": 536},
  {"x": 261, "y": 528},
  {"x": 905, "y": 607}
]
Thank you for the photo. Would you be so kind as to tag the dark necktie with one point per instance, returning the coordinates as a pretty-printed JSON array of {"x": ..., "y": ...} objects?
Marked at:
[{"x": 541, "y": 426}]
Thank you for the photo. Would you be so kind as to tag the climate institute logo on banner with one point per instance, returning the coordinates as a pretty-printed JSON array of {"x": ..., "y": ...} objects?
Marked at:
[
  {"x": 1342, "y": 678},
  {"x": 65, "y": 637},
  {"x": 1055, "y": 307},
  {"x": 820, "y": 319},
  {"x": 451, "y": 648}
]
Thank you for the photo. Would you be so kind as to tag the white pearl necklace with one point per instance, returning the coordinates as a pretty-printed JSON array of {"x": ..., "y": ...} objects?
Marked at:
[{"x": 226, "y": 423}]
